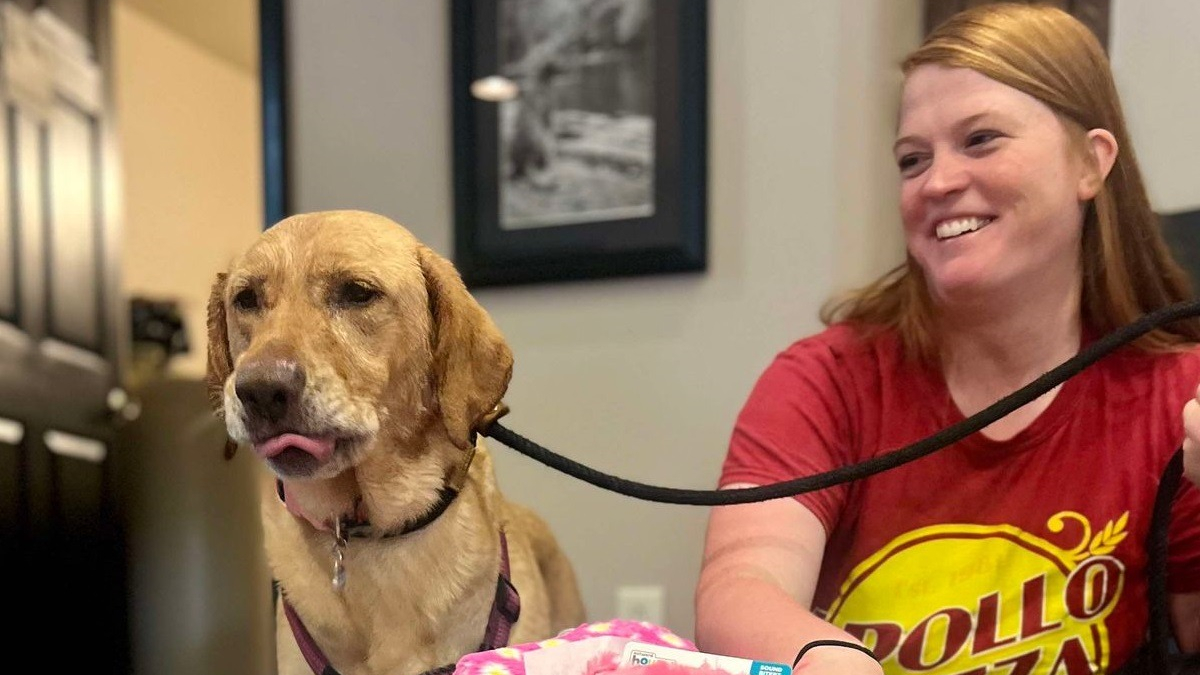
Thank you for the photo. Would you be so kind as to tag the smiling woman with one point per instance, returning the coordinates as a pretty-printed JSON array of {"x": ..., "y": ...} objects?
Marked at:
[
  {"x": 1054, "y": 60},
  {"x": 1028, "y": 234},
  {"x": 974, "y": 152}
]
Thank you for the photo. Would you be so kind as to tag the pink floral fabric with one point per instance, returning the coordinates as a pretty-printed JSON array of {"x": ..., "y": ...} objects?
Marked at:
[{"x": 510, "y": 660}]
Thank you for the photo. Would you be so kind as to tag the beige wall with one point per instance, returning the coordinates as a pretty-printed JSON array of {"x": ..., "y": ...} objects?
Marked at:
[
  {"x": 187, "y": 116},
  {"x": 1156, "y": 62},
  {"x": 639, "y": 377},
  {"x": 188, "y": 120}
]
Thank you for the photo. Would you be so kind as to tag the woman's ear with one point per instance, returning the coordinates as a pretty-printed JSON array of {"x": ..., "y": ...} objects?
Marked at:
[{"x": 1101, "y": 155}]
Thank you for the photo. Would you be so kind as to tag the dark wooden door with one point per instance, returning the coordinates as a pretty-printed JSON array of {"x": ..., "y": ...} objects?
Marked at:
[{"x": 60, "y": 331}]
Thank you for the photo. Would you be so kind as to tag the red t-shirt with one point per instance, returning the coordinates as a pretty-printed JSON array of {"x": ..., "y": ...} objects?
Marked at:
[{"x": 1027, "y": 555}]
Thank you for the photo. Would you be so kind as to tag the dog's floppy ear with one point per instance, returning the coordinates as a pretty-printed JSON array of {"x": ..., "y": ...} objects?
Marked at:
[
  {"x": 472, "y": 362},
  {"x": 219, "y": 362}
]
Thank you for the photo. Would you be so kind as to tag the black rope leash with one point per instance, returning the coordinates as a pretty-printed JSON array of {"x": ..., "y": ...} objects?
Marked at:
[
  {"x": 790, "y": 488},
  {"x": 1156, "y": 548}
]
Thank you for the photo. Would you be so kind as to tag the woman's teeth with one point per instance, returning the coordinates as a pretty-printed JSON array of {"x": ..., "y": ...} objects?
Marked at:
[{"x": 953, "y": 228}]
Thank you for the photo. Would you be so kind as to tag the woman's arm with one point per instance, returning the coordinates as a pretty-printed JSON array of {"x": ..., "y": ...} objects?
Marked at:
[
  {"x": 1191, "y": 440},
  {"x": 757, "y": 581},
  {"x": 1185, "y": 619},
  {"x": 1185, "y": 607}
]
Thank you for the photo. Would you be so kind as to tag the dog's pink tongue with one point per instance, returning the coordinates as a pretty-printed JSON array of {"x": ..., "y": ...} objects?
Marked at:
[{"x": 320, "y": 448}]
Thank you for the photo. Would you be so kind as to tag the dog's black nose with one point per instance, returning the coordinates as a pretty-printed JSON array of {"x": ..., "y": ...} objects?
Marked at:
[{"x": 270, "y": 389}]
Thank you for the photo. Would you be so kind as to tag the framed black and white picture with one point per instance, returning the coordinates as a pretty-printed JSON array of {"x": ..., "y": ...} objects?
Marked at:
[{"x": 579, "y": 138}]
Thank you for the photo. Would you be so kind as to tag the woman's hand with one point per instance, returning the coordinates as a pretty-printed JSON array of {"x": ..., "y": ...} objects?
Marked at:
[{"x": 1191, "y": 439}]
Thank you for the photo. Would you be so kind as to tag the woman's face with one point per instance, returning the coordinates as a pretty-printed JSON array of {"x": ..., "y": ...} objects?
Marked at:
[{"x": 990, "y": 188}]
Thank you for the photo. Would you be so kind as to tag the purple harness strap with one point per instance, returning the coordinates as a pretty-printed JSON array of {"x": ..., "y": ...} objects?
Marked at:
[
  {"x": 308, "y": 646},
  {"x": 506, "y": 609}
]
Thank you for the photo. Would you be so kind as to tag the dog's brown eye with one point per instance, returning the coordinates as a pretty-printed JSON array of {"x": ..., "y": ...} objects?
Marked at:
[
  {"x": 246, "y": 299},
  {"x": 355, "y": 293}
]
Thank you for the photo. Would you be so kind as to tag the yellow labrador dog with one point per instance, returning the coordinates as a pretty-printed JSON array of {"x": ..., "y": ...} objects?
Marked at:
[{"x": 353, "y": 361}]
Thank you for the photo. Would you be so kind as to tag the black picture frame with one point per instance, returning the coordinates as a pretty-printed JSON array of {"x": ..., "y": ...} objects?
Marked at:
[
  {"x": 664, "y": 232},
  {"x": 1095, "y": 14},
  {"x": 273, "y": 64}
]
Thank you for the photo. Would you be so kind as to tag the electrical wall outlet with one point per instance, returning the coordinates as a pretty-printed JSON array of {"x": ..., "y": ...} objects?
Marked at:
[{"x": 642, "y": 603}]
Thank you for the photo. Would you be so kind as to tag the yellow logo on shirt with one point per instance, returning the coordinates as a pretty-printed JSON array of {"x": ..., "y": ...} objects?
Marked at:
[{"x": 975, "y": 599}]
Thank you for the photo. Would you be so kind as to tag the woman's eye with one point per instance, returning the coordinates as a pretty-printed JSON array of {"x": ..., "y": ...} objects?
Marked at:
[
  {"x": 981, "y": 137},
  {"x": 908, "y": 164},
  {"x": 356, "y": 293},
  {"x": 246, "y": 299}
]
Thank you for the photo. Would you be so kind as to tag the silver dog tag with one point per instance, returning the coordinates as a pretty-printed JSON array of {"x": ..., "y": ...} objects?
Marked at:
[{"x": 339, "y": 555}]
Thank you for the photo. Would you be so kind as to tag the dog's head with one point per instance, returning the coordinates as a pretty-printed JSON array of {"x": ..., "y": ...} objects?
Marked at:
[{"x": 337, "y": 329}]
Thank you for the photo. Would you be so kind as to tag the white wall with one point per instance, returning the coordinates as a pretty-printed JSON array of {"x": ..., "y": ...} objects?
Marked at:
[
  {"x": 1156, "y": 62},
  {"x": 639, "y": 377}
]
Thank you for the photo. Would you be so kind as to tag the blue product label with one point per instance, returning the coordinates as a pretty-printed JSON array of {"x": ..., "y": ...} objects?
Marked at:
[{"x": 768, "y": 668}]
